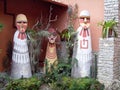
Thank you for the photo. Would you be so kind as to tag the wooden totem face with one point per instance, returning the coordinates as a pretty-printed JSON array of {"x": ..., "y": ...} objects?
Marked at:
[
  {"x": 52, "y": 38},
  {"x": 85, "y": 21},
  {"x": 21, "y": 23}
]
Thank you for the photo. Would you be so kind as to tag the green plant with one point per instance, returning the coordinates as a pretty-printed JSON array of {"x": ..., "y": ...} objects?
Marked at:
[
  {"x": 108, "y": 28},
  {"x": 54, "y": 73},
  {"x": 36, "y": 35},
  {"x": 1, "y": 26},
  {"x": 68, "y": 83},
  {"x": 4, "y": 79},
  {"x": 34, "y": 43},
  {"x": 66, "y": 33},
  {"x": 32, "y": 83}
]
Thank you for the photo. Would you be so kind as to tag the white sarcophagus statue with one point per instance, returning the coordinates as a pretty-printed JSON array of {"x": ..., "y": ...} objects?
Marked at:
[
  {"x": 82, "y": 51},
  {"x": 20, "y": 57}
]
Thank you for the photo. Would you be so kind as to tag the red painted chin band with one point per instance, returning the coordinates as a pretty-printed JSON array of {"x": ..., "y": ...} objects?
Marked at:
[
  {"x": 84, "y": 32},
  {"x": 21, "y": 36},
  {"x": 22, "y": 28}
]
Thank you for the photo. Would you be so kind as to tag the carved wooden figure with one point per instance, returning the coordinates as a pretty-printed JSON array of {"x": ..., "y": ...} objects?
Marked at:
[
  {"x": 20, "y": 57},
  {"x": 51, "y": 54},
  {"x": 82, "y": 50}
]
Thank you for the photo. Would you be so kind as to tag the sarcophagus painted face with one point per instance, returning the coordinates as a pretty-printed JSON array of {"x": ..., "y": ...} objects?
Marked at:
[
  {"x": 82, "y": 47},
  {"x": 52, "y": 37},
  {"x": 84, "y": 19},
  {"x": 21, "y": 22},
  {"x": 20, "y": 56}
]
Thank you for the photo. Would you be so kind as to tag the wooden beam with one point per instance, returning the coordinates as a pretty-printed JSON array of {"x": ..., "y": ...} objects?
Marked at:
[{"x": 56, "y": 3}]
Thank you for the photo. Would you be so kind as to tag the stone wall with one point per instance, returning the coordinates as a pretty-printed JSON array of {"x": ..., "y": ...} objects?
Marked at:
[
  {"x": 111, "y": 9},
  {"x": 109, "y": 49},
  {"x": 108, "y": 66}
]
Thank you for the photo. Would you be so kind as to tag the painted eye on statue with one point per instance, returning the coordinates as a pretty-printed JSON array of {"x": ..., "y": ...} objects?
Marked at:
[
  {"x": 88, "y": 18},
  {"x": 82, "y": 18},
  {"x": 54, "y": 34},
  {"x": 22, "y": 22}
]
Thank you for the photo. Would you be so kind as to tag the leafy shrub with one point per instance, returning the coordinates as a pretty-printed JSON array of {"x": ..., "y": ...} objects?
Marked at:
[
  {"x": 54, "y": 73},
  {"x": 24, "y": 84},
  {"x": 4, "y": 79},
  {"x": 68, "y": 83}
]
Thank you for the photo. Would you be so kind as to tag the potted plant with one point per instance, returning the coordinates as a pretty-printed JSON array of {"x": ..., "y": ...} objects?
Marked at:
[{"x": 108, "y": 29}]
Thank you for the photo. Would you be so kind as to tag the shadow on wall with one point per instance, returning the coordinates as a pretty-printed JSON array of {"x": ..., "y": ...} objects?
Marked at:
[{"x": 8, "y": 58}]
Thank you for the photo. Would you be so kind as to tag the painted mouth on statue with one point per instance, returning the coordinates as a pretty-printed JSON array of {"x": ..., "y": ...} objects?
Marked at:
[
  {"x": 86, "y": 25},
  {"x": 22, "y": 30},
  {"x": 51, "y": 41}
]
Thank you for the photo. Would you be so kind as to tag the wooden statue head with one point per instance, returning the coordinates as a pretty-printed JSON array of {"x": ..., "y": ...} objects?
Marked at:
[
  {"x": 21, "y": 22},
  {"x": 84, "y": 19},
  {"x": 52, "y": 37}
]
